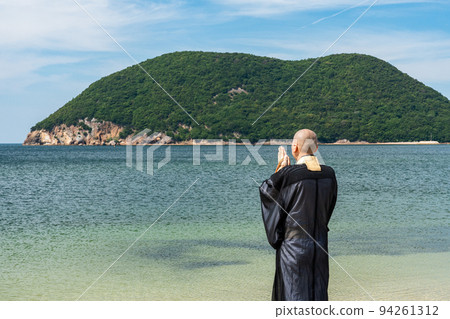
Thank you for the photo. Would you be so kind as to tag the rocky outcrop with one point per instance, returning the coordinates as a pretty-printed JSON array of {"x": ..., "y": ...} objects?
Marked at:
[
  {"x": 92, "y": 132},
  {"x": 147, "y": 138}
]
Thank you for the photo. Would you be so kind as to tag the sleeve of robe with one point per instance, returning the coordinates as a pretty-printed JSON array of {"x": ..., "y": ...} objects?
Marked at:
[
  {"x": 333, "y": 201},
  {"x": 272, "y": 212}
]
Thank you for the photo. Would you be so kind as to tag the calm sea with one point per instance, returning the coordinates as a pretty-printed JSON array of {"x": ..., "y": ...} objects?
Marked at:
[{"x": 68, "y": 213}]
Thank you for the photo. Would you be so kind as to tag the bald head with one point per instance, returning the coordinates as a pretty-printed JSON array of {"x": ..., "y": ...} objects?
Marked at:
[{"x": 304, "y": 143}]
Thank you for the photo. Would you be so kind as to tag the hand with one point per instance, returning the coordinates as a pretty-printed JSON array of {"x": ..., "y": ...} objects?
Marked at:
[
  {"x": 283, "y": 159},
  {"x": 281, "y": 153}
]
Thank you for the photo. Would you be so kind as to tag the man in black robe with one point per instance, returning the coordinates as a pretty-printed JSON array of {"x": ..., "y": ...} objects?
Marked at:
[{"x": 297, "y": 202}]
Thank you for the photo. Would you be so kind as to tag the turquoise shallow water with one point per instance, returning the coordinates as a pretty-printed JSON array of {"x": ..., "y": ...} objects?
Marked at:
[{"x": 67, "y": 213}]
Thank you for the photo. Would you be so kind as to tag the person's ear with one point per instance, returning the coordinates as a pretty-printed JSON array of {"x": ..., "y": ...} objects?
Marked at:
[{"x": 294, "y": 148}]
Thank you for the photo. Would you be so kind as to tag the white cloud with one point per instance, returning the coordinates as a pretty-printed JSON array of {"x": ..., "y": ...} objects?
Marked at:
[
  {"x": 62, "y": 25},
  {"x": 387, "y": 44},
  {"x": 38, "y": 33},
  {"x": 263, "y": 8},
  {"x": 428, "y": 71}
]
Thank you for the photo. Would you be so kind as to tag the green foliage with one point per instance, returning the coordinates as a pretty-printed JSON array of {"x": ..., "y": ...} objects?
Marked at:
[
  {"x": 112, "y": 139},
  {"x": 84, "y": 126},
  {"x": 126, "y": 131},
  {"x": 344, "y": 96}
]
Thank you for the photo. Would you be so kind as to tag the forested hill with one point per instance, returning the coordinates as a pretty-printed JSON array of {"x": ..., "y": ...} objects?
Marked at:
[{"x": 343, "y": 96}]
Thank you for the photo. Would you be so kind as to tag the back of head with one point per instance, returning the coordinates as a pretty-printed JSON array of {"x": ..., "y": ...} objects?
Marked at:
[{"x": 306, "y": 141}]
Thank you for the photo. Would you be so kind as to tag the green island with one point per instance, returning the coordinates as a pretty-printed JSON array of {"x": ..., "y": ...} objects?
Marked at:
[{"x": 343, "y": 96}]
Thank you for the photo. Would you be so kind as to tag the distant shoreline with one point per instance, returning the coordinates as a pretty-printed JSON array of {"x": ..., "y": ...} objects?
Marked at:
[
  {"x": 335, "y": 143},
  {"x": 386, "y": 143},
  {"x": 206, "y": 143}
]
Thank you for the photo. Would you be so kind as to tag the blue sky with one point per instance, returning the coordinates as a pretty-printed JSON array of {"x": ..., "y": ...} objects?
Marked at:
[{"x": 52, "y": 50}]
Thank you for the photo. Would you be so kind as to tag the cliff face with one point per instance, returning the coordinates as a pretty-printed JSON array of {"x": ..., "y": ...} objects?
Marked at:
[
  {"x": 90, "y": 133},
  {"x": 86, "y": 133}
]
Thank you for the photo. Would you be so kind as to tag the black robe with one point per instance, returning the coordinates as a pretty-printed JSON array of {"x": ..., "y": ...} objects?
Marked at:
[{"x": 309, "y": 198}]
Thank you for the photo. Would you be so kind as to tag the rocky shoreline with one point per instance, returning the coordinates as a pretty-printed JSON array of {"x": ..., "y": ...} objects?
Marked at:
[{"x": 93, "y": 132}]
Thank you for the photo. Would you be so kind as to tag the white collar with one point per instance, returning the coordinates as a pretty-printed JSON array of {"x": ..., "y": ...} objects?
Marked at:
[{"x": 302, "y": 160}]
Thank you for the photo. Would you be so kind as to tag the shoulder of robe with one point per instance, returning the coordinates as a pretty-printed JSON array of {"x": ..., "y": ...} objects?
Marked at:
[
  {"x": 279, "y": 177},
  {"x": 295, "y": 173}
]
